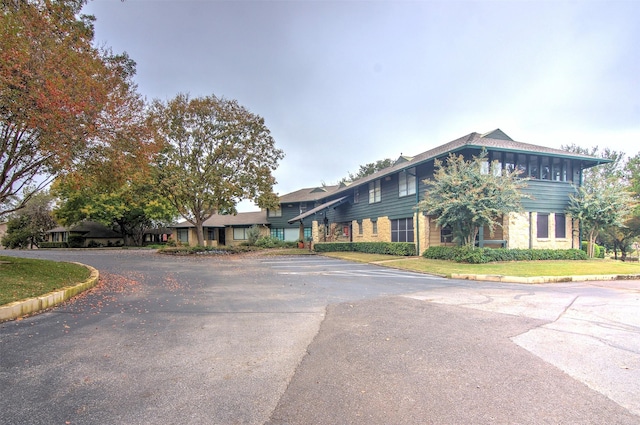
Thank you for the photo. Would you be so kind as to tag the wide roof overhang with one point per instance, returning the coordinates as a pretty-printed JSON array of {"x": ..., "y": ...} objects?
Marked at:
[{"x": 333, "y": 203}]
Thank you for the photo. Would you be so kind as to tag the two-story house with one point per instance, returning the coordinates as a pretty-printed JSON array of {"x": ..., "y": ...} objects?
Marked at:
[{"x": 383, "y": 206}]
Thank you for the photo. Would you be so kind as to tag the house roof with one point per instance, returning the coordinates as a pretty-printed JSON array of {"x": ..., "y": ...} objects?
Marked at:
[
  {"x": 310, "y": 194},
  {"x": 88, "y": 229},
  {"x": 334, "y": 203},
  {"x": 224, "y": 220},
  {"x": 495, "y": 139}
]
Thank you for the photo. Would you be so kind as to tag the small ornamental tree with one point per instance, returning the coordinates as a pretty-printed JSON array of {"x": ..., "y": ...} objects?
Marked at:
[
  {"x": 216, "y": 154},
  {"x": 27, "y": 227},
  {"x": 467, "y": 195},
  {"x": 600, "y": 204}
]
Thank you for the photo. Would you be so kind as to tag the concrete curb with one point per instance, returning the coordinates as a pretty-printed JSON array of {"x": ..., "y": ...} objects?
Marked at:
[
  {"x": 543, "y": 279},
  {"x": 21, "y": 308}
]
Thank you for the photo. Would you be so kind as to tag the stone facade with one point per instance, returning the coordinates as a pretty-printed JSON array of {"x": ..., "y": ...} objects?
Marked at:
[
  {"x": 521, "y": 231},
  {"x": 517, "y": 230}
]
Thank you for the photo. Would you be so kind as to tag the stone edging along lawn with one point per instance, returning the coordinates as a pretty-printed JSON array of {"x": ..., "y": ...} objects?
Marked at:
[
  {"x": 31, "y": 305},
  {"x": 544, "y": 279}
]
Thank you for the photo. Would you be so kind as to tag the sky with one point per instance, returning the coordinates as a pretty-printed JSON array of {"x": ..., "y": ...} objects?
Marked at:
[{"x": 345, "y": 83}]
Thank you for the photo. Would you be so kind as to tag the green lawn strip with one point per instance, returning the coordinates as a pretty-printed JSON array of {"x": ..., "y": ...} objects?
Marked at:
[
  {"x": 515, "y": 268},
  {"x": 22, "y": 278}
]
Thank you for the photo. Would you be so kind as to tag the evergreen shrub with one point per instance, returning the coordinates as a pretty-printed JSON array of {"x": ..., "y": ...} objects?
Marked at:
[
  {"x": 387, "y": 248},
  {"x": 463, "y": 254}
]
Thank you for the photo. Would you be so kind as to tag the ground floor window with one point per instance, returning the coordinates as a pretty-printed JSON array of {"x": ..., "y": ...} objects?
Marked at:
[
  {"x": 446, "y": 234},
  {"x": 277, "y": 234},
  {"x": 211, "y": 234},
  {"x": 402, "y": 230},
  {"x": 59, "y": 236},
  {"x": 561, "y": 226},
  {"x": 374, "y": 227},
  {"x": 183, "y": 235},
  {"x": 307, "y": 233},
  {"x": 543, "y": 226},
  {"x": 240, "y": 233}
]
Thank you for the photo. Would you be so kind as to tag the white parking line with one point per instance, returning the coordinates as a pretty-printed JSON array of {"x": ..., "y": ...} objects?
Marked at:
[{"x": 360, "y": 273}]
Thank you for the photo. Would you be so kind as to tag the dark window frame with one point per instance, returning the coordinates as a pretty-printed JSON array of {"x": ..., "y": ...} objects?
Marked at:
[
  {"x": 561, "y": 226},
  {"x": 402, "y": 230},
  {"x": 542, "y": 226}
]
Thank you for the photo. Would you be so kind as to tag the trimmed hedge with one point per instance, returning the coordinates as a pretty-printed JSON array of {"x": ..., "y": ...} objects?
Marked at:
[
  {"x": 388, "y": 248},
  {"x": 463, "y": 254},
  {"x": 53, "y": 245}
]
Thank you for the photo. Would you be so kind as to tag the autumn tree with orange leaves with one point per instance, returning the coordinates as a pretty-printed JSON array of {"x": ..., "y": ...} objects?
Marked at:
[{"x": 65, "y": 106}]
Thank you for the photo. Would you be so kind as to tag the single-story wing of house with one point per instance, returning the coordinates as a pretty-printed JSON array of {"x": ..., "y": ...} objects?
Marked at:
[
  {"x": 222, "y": 229},
  {"x": 85, "y": 234}
]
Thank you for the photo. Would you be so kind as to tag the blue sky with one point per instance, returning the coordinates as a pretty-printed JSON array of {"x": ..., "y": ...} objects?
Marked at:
[{"x": 343, "y": 83}]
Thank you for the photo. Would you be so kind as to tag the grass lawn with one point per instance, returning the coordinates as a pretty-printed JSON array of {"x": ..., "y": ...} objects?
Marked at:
[
  {"x": 22, "y": 278},
  {"x": 514, "y": 268}
]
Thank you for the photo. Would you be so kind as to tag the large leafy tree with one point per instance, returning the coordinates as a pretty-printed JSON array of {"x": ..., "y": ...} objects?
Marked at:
[
  {"x": 466, "y": 195},
  {"x": 27, "y": 227},
  {"x": 216, "y": 154},
  {"x": 60, "y": 97},
  {"x": 368, "y": 169},
  {"x": 112, "y": 181},
  {"x": 130, "y": 208}
]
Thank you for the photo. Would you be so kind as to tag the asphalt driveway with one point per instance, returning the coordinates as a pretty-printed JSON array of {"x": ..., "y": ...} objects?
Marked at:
[{"x": 299, "y": 340}]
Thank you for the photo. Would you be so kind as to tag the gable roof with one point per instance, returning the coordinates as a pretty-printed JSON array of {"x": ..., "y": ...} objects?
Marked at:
[
  {"x": 335, "y": 203},
  {"x": 492, "y": 140},
  {"x": 88, "y": 229},
  {"x": 310, "y": 194}
]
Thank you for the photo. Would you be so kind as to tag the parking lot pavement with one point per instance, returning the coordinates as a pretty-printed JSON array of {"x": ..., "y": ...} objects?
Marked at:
[
  {"x": 591, "y": 330},
  {"x": 293, "y": 340},
  {"x": 399, "y": 360}
]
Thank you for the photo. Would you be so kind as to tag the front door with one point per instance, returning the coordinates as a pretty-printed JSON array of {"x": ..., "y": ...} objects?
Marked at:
[{"x": 221, "y": 236}]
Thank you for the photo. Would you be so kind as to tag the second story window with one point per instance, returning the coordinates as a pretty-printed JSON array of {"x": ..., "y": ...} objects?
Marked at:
[
  {"x": 303, "y": 207},
  {"x": 374, "y": 192},
  {"x": 407, "y": 182},
  {"x": 356, "y": 195},
  {"x": 275, "y": 212}
]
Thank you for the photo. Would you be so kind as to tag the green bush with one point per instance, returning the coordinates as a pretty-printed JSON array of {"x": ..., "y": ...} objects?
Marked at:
[
  {"x": 53, "y": 245},
  {"x": 463, "y": 254},
  {"x": 388, "y": 248},
  {"x": 598, "y": 251},
  {"x": 253, "y": 234},
  {"x": 76, "y": 241},
  {"x": 269, "y": 242}
]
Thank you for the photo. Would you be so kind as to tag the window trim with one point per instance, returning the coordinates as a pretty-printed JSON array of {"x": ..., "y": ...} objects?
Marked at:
[
  {"x": 560, "y": 220},
  {"x": 407, "y": 182},
  {"x": 275, "y": 212},
  {"x": 244, "y": 233},
  {"x": 542, "y": 232},
  {"x": 375, "y": 191},
  {"x": 182, "y": 232},
  {"x": 400, "y": 234}
]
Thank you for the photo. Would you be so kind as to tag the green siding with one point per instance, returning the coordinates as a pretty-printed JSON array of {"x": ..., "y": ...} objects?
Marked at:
[{"x": 547, "y": 196}]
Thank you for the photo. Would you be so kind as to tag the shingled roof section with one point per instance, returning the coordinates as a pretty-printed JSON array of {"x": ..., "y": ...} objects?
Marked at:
[
  {"x": 310, "y": 194},
  {"x": 495, "y": 139},
  {"x": 223, "y": 220}
]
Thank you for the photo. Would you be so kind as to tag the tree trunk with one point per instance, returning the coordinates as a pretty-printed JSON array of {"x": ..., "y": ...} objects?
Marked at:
[
  {"x": 200, "y": 232},
  {"x": 591, "y": 244}
]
